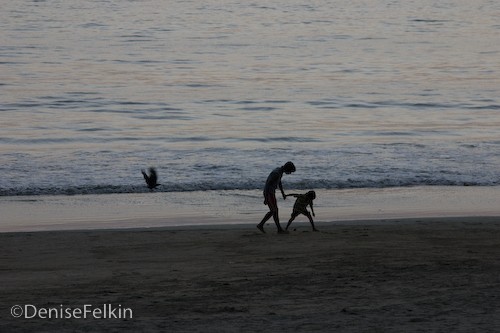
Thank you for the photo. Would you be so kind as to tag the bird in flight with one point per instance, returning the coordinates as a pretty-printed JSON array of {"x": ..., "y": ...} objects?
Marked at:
[{"x": 151, "y": 179}]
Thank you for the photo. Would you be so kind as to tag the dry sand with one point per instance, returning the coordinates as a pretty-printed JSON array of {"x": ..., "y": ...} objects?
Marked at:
[{"x": 413, "y": 275}]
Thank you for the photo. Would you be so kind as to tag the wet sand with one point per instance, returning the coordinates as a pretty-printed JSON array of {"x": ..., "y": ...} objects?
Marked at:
[{"x": 411, "y": 275}]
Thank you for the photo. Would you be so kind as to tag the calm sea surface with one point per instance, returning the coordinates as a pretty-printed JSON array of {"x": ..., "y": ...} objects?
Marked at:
[{"x": 215, "y": 94}]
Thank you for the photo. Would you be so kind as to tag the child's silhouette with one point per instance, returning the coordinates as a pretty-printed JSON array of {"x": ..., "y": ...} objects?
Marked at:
[{"x": 300, "y": 207}]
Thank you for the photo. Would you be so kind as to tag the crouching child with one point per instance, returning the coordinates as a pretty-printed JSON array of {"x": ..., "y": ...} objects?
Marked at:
[{"x": 300, "y": 207}]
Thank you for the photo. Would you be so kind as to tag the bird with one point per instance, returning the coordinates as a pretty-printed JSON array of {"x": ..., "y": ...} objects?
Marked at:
[{"x": 151, "y": 179}]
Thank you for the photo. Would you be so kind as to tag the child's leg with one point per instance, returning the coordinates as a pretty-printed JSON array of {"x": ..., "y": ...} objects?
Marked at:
[
  {"x": 310, "y": 220},
  {"x": 294, "y": 215}
]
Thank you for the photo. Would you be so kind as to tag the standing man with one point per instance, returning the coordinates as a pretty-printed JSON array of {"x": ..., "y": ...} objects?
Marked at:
[{"x": 272, "y": 183}]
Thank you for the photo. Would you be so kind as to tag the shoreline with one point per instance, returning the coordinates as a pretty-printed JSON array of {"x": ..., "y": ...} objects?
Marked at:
[
  {"x": 270, "y": 227},
  {"x": 430, "y": 274},
  {"x": 164, "y": 209}
]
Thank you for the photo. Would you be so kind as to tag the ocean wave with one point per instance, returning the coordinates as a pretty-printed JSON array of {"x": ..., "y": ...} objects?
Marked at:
[
  {"x": 349, "y": 183},
  {"x": 337, "y": 104}
]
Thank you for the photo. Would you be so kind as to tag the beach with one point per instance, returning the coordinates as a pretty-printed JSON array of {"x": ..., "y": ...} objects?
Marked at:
[
  {"x": 388, "y": 110},
  {"x": 386, "y": 275},
  {"x": 229, "y": 207}
]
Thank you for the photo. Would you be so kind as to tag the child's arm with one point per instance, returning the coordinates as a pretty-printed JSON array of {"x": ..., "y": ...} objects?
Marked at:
[
  {"x": 312, "y": 209},
  {"x": 292, "y": 195}
]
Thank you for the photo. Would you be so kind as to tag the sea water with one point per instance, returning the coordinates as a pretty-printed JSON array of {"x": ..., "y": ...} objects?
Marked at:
[{"x": 215, "y": 94}]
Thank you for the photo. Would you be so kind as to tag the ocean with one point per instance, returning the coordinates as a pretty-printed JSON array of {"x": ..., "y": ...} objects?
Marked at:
[{"x": 215, "y": 94}]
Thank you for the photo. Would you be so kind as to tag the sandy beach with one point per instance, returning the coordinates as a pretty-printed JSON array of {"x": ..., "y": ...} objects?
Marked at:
[
  {"x": 141, "y": 142},
  {"x": 399, "y": 275}
]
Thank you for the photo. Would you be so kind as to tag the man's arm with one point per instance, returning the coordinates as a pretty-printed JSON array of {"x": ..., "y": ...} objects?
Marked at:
[
  {"x": 312, "y": 209},
  {"x": 281, "y": 189}
]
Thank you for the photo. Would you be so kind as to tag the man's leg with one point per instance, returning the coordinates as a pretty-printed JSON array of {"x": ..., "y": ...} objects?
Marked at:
[
  {"x": 270, "y": 201},
  {"x": 277, "y": 221},
  {"x": 273, "y": 207},
  {"x": 260, "y": 226}
]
